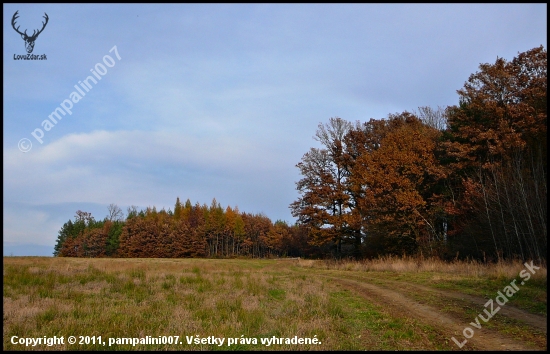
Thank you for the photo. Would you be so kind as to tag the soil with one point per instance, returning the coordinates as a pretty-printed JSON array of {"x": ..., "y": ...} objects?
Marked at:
[{"x": 397, "y": 298}]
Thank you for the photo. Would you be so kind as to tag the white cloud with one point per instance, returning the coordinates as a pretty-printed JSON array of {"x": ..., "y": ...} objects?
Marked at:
[
  {"x": 100, "y": 166},
  {"x": 221, "y": 100}
]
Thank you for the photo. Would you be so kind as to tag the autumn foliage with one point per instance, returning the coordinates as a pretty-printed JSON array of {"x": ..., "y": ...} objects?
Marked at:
[
  {"x": 465, "y": 181},
  {"x": 189, "y": 231}
]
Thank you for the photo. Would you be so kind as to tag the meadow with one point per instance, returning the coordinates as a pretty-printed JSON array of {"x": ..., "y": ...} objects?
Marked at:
[{"x": 276, "y": 304}]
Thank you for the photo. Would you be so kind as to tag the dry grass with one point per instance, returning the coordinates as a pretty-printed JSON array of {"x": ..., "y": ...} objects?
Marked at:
[
  {"x": 469, "y": 277},
  {"x": 160, "y": 297},
  {"x": 502, "y": 269},
  {"x": 222, "y": 298}
]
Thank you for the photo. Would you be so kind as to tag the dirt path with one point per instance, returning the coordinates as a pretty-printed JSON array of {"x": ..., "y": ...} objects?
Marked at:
[
  {"x": 397, "y": 302},
  {"x": 537, "y": 321}
]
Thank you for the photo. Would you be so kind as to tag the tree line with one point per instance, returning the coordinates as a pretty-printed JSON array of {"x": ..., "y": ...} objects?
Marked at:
[
  {"x": 187, "y": 231},
  {"x": 467, "y": 180}
]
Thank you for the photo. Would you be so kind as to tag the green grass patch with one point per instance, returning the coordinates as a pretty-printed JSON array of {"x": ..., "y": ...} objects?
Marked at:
[
  {"x": 277, "y": 294},
  {"x": 220, "y": 298}
]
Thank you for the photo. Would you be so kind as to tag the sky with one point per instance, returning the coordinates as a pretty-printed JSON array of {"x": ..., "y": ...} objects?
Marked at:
[{"x": 141, "y": 104}]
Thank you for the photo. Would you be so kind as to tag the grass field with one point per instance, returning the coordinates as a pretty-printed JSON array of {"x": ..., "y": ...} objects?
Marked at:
[{"x": 387, "y": 304}]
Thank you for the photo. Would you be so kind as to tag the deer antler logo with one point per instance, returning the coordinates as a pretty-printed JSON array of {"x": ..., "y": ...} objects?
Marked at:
[{"x": 29, "y": 40}]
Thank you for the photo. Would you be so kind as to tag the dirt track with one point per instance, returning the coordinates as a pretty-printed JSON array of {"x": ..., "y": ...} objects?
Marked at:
[{"x": 397, "y": 298}]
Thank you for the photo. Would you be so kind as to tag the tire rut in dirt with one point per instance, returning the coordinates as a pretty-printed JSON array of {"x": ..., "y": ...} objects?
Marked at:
[
  {"x": 483, "y": 338},
  {"x": 536, "y": 321},
  {"x": 539, "y": 322}
]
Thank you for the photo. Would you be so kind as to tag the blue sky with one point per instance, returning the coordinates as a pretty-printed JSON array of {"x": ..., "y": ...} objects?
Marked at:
[{"x": 217, "y": 101}]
